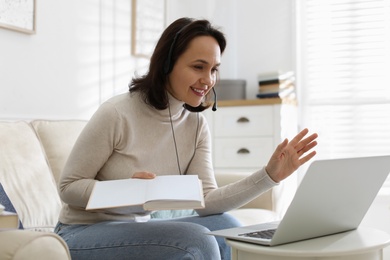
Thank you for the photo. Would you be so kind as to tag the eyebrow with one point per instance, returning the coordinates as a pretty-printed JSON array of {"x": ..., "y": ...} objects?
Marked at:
[{"x": 206, "y": 62}]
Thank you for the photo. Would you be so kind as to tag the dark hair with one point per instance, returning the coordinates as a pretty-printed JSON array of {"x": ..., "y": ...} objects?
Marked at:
[{"x": 172, "y": 43}]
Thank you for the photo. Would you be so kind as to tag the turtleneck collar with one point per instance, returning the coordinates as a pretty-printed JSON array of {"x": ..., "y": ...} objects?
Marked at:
[
  {"x": 174, "y": 111},
  {"x": 175, "y": 105}
]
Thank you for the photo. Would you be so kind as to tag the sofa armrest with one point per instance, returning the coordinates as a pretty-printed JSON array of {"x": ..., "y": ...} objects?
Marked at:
[
  {"x": 276, "y": 199},
  {"x": 23, "y": 244}
]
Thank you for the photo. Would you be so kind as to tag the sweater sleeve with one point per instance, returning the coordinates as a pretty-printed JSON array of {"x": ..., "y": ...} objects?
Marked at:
[
  {"x": 236, "y": 194},
  {"x": 91, "y": 150},
  {"x": 232, "y": 196}
]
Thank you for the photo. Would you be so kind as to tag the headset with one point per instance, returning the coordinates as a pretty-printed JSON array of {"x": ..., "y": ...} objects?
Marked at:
[{"x": 168, "y": 63}]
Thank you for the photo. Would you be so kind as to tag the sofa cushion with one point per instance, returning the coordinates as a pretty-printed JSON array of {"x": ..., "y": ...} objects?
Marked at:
[
  {"x": 26, "y": 177},
  {"x": 58, "y": 138}
]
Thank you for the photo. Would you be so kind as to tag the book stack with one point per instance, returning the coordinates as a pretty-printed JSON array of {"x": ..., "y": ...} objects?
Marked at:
[
  {"x": 276, "y": 84},
  {"x": 8, "y": 220}
]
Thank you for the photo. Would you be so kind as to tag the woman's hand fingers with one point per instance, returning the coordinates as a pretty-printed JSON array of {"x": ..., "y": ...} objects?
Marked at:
[
  {"x": 143, "y": 175},
  {"x": 307, "y": 142},
  {"x": 306, "y": 147},
  {"x": 295, "y": 141},
  {"x": 306, "y": 158},
  {"x": 289, "y": 156}
]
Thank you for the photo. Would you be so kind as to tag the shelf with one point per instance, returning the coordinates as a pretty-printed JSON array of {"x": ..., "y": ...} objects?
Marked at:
[{"x": 255, "y": 102}]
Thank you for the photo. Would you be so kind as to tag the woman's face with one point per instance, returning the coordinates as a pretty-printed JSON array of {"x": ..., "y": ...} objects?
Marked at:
[{"x": 195, "y": 72}]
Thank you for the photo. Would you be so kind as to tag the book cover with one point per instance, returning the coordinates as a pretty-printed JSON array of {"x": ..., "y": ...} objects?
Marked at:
[
  {"x": 274, "y": 77},
  {"x": 8, "y": 220},
  {"x": 161, "y": 193},
  {"x": 276, "y": 87},
  {"x": 277, "y": 94}
]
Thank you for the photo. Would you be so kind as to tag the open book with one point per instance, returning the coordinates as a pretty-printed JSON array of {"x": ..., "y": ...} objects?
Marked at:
[{"x": 160, "y": 193}]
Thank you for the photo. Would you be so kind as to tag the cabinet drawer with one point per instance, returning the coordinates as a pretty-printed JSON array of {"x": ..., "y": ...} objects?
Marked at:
[
  {"x": 242, "y": 152},
  {"x": 244, "y": 121}
]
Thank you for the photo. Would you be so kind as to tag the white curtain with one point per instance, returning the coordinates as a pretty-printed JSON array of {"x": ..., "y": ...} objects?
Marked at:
[{"x": 343, "y": 69}]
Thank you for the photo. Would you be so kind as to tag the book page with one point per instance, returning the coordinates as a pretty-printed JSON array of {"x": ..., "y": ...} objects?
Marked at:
[
  {"x": 117, "y": 193},
  {"x": 173, "y": 187}
]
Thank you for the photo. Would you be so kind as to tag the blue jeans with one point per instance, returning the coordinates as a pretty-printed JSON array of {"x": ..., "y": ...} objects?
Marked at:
[{"x": 179, "y": 238}]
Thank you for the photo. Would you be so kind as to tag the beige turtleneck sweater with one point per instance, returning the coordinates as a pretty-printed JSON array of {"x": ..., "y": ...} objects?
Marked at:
[{"x": 125, "y": 136}]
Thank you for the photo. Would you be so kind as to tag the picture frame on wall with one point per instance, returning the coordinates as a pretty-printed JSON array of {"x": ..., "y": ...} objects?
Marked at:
[
  {"x": 18, "y": 15},
  {"x": 147, "y": 24}
]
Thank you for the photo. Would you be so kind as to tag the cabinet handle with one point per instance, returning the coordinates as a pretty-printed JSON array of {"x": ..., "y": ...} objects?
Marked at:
[
  {"x": 243, "y": 151},
  {"x": 243, "y": 120}
]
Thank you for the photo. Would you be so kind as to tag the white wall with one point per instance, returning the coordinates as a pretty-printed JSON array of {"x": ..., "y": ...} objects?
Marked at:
[
  {"x": 80, "y": 54},
  {"x": 79, "y": 57}
]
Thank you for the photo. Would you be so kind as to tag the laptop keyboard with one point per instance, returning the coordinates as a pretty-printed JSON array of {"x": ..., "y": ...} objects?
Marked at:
[{"x": 265, "y": 234}]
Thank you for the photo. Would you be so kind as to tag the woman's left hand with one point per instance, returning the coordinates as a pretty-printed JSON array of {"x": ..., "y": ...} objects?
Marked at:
[
  {"x": 143, "y": 175},
  {"x": 289, "y": 156}
]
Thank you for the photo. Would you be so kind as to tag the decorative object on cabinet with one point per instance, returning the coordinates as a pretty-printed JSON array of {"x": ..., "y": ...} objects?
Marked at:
[
  {"x": 276, "y": 85},
  {"x": 18, "y": 15},
  {"x": 231, "y": 89}
]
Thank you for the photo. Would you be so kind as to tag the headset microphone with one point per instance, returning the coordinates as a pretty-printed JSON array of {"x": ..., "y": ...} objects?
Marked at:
[{"x": 215, "y": 101}]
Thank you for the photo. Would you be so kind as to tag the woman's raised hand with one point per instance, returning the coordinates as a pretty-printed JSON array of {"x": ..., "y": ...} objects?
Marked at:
[{"x": 289, "y": 156}]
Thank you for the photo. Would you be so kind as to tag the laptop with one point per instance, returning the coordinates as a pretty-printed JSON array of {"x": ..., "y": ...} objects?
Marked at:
[{"x": 333, "y": 197}]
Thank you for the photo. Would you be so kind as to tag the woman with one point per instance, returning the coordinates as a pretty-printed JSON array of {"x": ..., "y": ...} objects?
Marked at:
[{"x": 156, "y": 129}]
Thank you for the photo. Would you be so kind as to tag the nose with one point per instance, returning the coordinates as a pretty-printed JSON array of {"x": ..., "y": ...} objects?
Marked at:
[{"x": 208, "y": 79}]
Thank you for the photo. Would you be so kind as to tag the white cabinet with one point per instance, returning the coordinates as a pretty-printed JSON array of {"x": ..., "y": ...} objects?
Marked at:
[{"x": 245, "y": 133}]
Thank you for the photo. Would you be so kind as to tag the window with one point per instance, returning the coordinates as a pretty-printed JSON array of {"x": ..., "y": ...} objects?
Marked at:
[{"x": 344, "y": 75}]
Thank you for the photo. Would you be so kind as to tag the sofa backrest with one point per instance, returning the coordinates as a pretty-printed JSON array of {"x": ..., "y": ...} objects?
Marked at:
[
  {"x": 26, "y": 176},
  {"x": 32, "y": 156},
  {"x": 57, "y": 139}
]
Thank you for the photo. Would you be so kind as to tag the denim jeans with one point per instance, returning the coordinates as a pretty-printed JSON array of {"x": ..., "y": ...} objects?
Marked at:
[{"x": 179, "y": 238}]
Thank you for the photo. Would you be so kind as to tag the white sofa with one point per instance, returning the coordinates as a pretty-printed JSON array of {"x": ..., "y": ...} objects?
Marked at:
[{"x": 32, "y": 155}]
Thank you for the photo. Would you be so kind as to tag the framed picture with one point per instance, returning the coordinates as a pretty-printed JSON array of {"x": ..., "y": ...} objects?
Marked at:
[
  {"x": 147, "y": 24},
  {"x": 18, "y": 15}
]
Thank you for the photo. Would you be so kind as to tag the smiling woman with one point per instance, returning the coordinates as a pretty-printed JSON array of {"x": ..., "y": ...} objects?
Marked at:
[
  {"x": 202, "y": 60},
  {"x": 154, "y": 130},
  {"x": 195, "y": 72}
]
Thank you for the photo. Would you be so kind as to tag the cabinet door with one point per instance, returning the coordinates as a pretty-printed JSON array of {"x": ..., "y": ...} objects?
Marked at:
[
  {"x": 242, "y": 152},
  {"x": 248, "y": 121}
]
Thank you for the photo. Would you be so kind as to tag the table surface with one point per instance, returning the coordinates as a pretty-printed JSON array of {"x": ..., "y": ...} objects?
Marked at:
[{"x": 358, "y": 241}]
